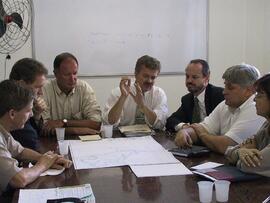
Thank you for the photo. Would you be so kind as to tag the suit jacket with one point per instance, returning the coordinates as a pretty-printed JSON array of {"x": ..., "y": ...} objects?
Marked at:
[
  {"x": 213, "y": 96},
  {"x": 27, "y": 136}
]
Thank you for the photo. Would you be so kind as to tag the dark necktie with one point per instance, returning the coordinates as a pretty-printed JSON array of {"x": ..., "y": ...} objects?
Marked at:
[{"x": 196, "y": 116}]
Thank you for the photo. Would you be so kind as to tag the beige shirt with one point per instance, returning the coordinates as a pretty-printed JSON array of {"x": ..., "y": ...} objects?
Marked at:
[
  {"x": 9, "y": 150},
  {"x": 79, "y": 104}
]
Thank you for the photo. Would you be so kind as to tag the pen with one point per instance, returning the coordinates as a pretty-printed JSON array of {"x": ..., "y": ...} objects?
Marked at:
[{"x": 266, "y": 200}]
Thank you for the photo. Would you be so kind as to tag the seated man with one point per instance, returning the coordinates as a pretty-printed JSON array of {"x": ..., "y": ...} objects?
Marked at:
[
  {"x": 253, "y": 156},
  {"x": 15, "y": 109},
  {"x": 71, "y": 103},
  {"x": 201, "y": 100},
  {"x": 31, "y": 74},
  {"x": 233, "y": 120},
  {"x": 141, "y": 102}
]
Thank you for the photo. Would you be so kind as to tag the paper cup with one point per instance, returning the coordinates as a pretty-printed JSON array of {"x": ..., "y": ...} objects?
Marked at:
[
  {"x": 205, "y": 191},
  {"x": 63, "y": 147},
  {"x": 107, "y": 131},
  {"x": 222, "y": 190},
  {"x": 60, "y": 133}
]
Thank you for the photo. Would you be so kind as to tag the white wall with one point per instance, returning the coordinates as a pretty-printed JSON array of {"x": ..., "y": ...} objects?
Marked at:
[{"x": 238, "y": 32}]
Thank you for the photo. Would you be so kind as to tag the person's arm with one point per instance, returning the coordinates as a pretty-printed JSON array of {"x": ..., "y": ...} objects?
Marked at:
[
  {"x": 139, "y": 99},
  {"x": 28, "y": 175},
  {"x": 177, "y": 117},
  {"x": 263, "y": 168},
  {"x": 186, "y": 137},
  {"x": 116, "y": 110},
  {"x": 217, "y": 143}
]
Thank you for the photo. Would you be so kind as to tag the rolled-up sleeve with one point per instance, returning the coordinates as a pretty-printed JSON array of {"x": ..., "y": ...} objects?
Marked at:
[
  {"x": 91, "y": 109},
  {"x": 8, "y": 164},
  {"x": 161, "y": 109}
]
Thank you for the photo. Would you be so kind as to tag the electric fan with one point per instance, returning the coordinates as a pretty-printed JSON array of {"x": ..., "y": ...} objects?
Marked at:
[{"x": 15, "y": 24}]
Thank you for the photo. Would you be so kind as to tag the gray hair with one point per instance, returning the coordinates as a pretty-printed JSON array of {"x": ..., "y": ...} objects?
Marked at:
[{"x": 243, "y": 75}]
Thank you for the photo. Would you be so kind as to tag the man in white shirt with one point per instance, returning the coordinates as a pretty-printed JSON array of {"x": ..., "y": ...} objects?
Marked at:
[
  {"x": 233, "y": 120},
  {"x": 139, "y": 102}
]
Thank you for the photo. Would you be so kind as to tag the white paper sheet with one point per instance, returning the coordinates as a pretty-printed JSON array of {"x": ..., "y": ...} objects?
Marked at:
[
  {"x": 50, "y": 172},
  {"x": 160, "y": 170},
  {"x": 42, "y": 195},
  {"x": 119, "y": 152},
  {"x": 207, "y": 165}
]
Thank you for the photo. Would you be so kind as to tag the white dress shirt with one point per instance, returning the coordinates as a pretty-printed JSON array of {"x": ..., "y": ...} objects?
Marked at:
[
  {"x": 155, "y": 99},
  {"x": 238, "y": 124}
]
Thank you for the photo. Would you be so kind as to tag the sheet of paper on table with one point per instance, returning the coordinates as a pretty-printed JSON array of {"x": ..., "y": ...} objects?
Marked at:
[{"x": 83, "y": 192}]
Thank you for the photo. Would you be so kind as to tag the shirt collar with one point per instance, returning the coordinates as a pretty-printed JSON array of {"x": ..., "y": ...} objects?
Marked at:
[
  {"x": 4, "y": 132},
  {"x": 59, "y": 91},
  {"x": 201, "y": 96},
  {"x": 242, "y": 106}
]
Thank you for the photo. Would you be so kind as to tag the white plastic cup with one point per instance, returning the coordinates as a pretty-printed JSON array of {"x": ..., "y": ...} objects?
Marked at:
[
  {"x": 205, "y": 191},
  {"x": 222, "y": 190},
  {"x": 63, "y": 147},
  {"x": 108, "y": 131},
  {"x": 60, "y": 134}
]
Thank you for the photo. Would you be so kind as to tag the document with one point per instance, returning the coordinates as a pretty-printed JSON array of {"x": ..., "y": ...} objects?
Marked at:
[
  {"x": 207, "y": 165},
  {"x": 89, "y": 138},
  {"x": 50, "y": 172},
  {"x": 82, "y": 192},
  {"x": 119, "y": 152},
  {"x": 160, "y": 170},
  {"x": 135, "y": 128}
]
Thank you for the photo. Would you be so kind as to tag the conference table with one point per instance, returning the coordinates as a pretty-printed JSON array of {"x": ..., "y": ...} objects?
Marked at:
[{"x": 119, "y": 184}]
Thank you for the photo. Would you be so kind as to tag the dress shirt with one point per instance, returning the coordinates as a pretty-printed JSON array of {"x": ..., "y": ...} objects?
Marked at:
[
  {"x": 79, "y": 104},
  {"x": 9, "y": 150},
  {"x": 237, "y": 123},
  {"x": 155, "y": 99}
]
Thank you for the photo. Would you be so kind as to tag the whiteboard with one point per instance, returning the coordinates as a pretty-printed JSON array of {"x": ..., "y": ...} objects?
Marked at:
[{"x": 108, "y": 36}]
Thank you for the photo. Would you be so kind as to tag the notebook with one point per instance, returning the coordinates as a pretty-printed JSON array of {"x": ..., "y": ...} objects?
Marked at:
[
  {"x": 190, "y": 152},
  {"x": 230, "y": 173},
  {"x": 136, "y": 130}
]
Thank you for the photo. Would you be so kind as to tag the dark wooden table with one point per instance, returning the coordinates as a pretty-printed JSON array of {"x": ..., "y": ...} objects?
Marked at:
[{"x": 119, "y": 184}]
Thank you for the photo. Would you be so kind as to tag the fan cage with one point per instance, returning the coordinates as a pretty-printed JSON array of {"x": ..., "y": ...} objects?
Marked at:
[{"x": 14, "y": 37}]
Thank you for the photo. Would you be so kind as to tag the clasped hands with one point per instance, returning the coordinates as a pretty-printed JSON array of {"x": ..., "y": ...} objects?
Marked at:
[
  {"x": 52, "y": 160},
  {"x": 125, "y": 87},
  {"x": 183, "y": 137},
  {"x": 250, "y": 157}
]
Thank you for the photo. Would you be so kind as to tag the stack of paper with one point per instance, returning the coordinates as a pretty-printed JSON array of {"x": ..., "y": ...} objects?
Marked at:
[
  {"x": 136, "y": 130},
  {"x": 80, "y": 192}
]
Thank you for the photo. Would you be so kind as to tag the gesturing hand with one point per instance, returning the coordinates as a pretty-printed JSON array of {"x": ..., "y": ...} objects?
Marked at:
[
  {"x": 125, "y": 86},
  {"x": 138, "y": 97}
]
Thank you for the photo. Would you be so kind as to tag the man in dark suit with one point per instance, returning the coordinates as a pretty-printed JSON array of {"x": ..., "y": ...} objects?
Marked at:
[{"x": 201, "y": 100}]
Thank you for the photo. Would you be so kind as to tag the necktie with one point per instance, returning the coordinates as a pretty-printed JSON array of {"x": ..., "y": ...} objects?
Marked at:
[
  {"x": 139, "y": 117},
  {"x": 196, "y": 116}
]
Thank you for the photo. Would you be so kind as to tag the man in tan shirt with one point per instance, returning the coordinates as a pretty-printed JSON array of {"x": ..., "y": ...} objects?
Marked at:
[
  {"x": 71, "y": 102},
  {"x": 15, "y": 109}
]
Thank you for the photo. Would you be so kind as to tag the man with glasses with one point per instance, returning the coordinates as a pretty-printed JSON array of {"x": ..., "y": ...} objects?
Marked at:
[{"x": 139, "y": 102}]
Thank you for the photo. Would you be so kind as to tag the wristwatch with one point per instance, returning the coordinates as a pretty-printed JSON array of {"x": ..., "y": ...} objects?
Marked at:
[{"x": 65, "y": 123}]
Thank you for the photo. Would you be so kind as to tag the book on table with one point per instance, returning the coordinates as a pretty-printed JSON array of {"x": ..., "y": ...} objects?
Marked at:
[
  {"x": 136, "y": 130},
  {"x": 226, "y": 172},
  {"x": 193, "y": 151}
]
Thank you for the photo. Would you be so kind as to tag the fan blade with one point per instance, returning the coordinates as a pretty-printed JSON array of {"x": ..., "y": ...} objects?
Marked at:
[
  {"x": 2, "y": 27},
  {"x": 16, "y": 18},
  {"x": 2, "y": 11}
]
